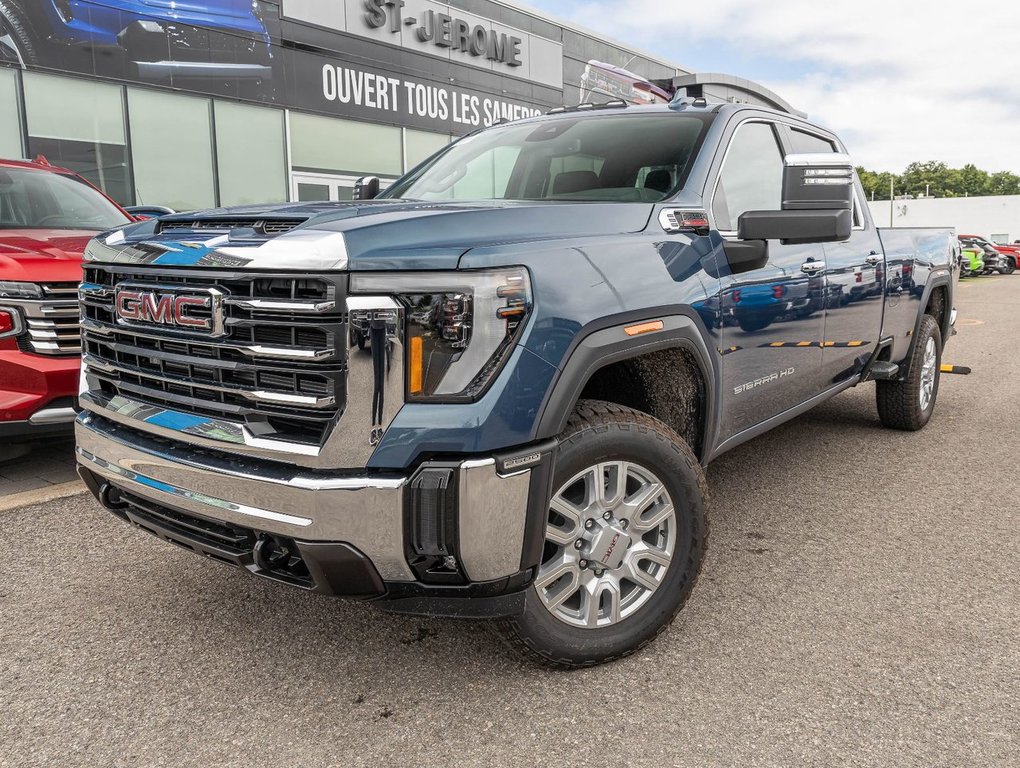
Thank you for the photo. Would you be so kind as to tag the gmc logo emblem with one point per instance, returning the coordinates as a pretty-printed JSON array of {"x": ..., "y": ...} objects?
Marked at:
[{"x": 137, "y": 305}]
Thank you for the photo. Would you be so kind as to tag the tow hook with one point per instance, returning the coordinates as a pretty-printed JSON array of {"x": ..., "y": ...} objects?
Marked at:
[{"x": 110, "y": 498}]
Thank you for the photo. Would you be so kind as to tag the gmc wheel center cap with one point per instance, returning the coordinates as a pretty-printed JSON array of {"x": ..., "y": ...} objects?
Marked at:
[{"x": 609, "y": 546}]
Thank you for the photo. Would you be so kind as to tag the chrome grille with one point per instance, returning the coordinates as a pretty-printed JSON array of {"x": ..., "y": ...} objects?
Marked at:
[
  {"x": 51, "y": 323},
  {"x": 279, "y": 369}
]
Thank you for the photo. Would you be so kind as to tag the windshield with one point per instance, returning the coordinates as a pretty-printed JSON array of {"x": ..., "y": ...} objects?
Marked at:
[
  {"x": 618, "y": 158},
  {"x": 31, "y": 199}
]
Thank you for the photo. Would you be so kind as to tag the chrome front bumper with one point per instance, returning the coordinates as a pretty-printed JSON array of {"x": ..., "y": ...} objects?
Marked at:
[{"x": 366, "y": 512}]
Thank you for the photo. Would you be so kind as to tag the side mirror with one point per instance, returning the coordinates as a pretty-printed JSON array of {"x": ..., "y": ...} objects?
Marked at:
[
  {"x": 366, "y": 188},
  {"x": 818, "y": 182},
  {"x": 818, "y": 203},
  {"x": 796, "y": 227}
]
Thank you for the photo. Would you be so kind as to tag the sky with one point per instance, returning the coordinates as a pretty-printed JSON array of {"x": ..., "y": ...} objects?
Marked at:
[{"x": 898, "y": 80}]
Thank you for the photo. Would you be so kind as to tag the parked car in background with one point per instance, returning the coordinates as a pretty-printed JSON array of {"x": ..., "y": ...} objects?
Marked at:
[
  {"x": 47, "y": 216},
  {"x": 1011, "y": 252},
  {"x": 995, "y": 261},
  {"x": 971, "y": 261},
  {"x": 152, "y": 40}
]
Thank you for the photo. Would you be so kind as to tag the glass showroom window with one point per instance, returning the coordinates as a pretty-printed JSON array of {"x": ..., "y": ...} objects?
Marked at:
[
  {"x": 421, "y": 145},
  {"x": 328, "y": 145},
  {"x": 80, "y": 125},
  {"x": 172, "y": 149},
  {"x": 10, "y": 116},
  {"x": 245, "y": 177}
]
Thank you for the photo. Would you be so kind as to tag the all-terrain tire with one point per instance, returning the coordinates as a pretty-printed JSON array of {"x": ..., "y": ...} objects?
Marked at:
[
  {"x": 605, "y": 432},
  {"x": 900, "y": 403},
  {"x": 15, "y": 26}
]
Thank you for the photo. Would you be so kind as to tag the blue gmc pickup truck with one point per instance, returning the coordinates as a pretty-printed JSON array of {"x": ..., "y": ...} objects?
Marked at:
[{"x": 491, "y": 391}]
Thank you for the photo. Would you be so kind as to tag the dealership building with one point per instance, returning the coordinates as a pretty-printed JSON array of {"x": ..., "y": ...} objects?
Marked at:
[{"x": 194, "y": 105}]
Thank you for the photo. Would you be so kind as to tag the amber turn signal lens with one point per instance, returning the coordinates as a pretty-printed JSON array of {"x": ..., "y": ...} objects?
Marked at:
[
  {"x": 637, "y": 330},
  {"x": 415, "y": 378}
]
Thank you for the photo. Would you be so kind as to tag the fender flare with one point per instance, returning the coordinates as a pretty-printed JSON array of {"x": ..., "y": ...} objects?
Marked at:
[
  {"x": 605, "y": 342},
  {"x": 933, "y": 283}
]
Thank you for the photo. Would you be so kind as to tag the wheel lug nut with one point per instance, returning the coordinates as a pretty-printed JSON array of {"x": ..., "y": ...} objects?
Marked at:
[
  {"x": 624, "y": 524},
  {"x": 589, "y": 523},
  {"x": 607, "y": 516},
  {"x": 583, "y": 564},
  {"x": 579, "y": 544}
]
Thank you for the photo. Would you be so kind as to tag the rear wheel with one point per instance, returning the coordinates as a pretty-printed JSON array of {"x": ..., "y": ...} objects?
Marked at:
[
  {"x": 17, "y": 46},
  {"x": 625, "y": 537},
  {"x": 909, "y": 403}
]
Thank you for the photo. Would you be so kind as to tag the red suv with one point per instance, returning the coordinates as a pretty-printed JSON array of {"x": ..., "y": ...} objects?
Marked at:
[{"x": 47, "y": 216}]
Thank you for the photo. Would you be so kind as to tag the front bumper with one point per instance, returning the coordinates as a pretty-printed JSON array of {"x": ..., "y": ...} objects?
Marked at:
[
  {"x": 36, "y": 393},
  {"x": 366, "y": 524}
]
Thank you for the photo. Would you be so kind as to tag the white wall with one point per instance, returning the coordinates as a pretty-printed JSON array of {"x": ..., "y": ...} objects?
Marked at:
[{"x": 984, "y": 216}]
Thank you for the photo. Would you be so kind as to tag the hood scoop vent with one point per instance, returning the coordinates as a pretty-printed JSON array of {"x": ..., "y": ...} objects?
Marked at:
[{"x": 265, "y": 227}]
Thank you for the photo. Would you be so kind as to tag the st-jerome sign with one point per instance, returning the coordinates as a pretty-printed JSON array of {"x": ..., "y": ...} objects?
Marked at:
[{"x": 446, "y": 31}]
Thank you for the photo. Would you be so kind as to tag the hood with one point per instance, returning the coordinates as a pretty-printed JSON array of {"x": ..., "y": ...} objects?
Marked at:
[
  {"x": 376, "y": 235},
  {"x": 32, "y": 255},
  {"x": 233, "y": 8}
]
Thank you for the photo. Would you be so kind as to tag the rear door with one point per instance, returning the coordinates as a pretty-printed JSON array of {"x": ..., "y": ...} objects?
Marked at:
[{"x": 773, "y": 318}]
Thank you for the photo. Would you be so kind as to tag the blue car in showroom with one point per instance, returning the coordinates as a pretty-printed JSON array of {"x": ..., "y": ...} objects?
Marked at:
[{"x": 151, "y": 40}]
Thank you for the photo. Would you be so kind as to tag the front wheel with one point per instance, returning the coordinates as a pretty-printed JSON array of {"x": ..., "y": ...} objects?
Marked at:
[
  {"x": 908, "y": 404},
  {"x": 1008, "y": 267},
  {"x": 624, "y": 541}
]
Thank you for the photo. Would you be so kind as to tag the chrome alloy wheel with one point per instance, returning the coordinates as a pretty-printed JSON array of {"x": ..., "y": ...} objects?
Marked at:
[
  {"x": 929, "y": 366},
  {"x": 609, "y": 540}
]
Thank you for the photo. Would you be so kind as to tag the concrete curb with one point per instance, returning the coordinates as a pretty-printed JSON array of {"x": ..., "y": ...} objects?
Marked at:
[{"x": 41, "y": 495}]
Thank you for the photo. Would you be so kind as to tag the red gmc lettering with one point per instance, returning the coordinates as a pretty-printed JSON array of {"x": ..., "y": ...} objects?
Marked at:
[
  {"x": 183, "y": 319},
  {"x": 166, "y": 309},
  {"x": 612, "y": 546}
]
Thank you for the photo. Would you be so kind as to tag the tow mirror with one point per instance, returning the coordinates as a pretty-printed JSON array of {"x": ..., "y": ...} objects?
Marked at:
[
  {"x": 818, "y": 203},
  {"x": 366, "y": 188},
  {"x": 818, "y": 182}
]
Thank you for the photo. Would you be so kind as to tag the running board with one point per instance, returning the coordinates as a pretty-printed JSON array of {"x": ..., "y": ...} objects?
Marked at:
[{"x": 881, "y": 370}]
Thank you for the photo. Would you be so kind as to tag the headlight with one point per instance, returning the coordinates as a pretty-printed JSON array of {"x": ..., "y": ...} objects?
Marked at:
[
  {"x": 460, "y": 326},
  {"x": 11, "y": 290}
]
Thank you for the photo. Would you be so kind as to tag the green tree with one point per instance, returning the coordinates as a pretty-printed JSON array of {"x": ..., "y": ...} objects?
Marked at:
[
  {"x": 931, "y": 177},
  {"x": 974, "y": 182},
  {"x": 939, "y": 180},
  {"x": 876, "y": 185},
  {"x": 1004, "y": 183}
]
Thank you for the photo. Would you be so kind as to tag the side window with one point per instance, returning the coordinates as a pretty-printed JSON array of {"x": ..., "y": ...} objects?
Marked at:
[
  {"x": 802, "y": 142},
  {"x": 751, "y": 177},
  {"x": 807, "y": 143}
]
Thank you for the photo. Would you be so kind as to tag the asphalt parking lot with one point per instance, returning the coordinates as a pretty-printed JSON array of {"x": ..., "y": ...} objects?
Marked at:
[{"x": 858, "y": 606}]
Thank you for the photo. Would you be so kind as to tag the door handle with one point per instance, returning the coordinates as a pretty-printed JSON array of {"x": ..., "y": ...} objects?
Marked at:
[
  {"x": 812, "y": 267},
  {"x": 874, "y": 259}
]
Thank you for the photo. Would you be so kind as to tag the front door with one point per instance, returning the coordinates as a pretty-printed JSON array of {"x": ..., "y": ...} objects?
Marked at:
[{"x": 774, "y": 317}]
